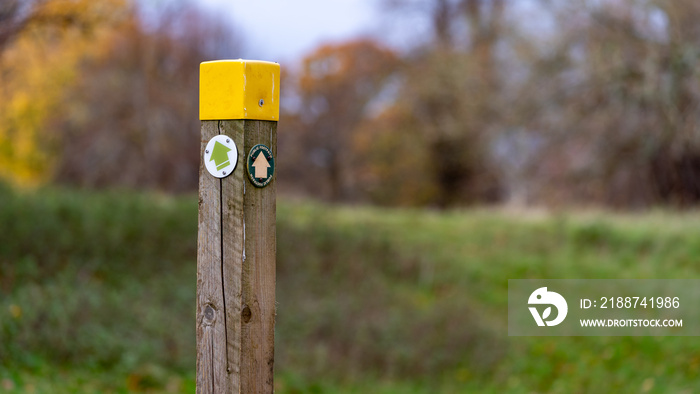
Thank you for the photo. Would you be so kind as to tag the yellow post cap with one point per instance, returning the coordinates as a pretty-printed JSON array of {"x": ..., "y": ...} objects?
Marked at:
[{"x": 239, "y": 89}]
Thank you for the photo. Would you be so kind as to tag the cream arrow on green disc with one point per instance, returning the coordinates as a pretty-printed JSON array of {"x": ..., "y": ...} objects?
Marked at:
[
  {"x": 221, "y": 156},
  {"x": 261, "y": 165}
]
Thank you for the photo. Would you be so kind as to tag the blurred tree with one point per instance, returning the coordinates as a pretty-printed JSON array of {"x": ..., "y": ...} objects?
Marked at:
[
  {"x": 132, "y": 120},
  {"x": 597, "y": 102},
  {"x": 443, "y": 15},
  {"x": 450, "y": 95},
  {"x": 42, "y": 43},
  {"x": 93, "y": 95},
  {"x": 13, "y": 16},
  {"x": 448, "y": 113},
  {"x": 393, "y": 160},
  {"x": 335, "y": 89},
  {"x": 455, "y": 24},
  {"x": 616, "y": 101}
]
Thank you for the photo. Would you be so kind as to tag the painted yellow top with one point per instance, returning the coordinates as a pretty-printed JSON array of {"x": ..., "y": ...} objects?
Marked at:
[{"x": 239, "y": 89}]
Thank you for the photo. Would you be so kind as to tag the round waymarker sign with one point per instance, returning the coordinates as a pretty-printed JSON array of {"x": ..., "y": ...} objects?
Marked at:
[
  {"x": 221, "y": 156},
  {"x": 261, "y": 165}
]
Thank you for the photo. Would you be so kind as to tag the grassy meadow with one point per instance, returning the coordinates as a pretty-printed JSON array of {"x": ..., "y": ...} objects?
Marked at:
[{"x": 97, "y": 294}]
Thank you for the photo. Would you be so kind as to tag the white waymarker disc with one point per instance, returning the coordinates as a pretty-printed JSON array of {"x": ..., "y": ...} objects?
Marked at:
[{"x": 221, "y": 156}]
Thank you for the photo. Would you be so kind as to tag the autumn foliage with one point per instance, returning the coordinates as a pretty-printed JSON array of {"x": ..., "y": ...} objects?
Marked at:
[
  {"x": 547, "y": 103},
  {"x": 562, "y": 102},
  {"x": 95, "y": 96},
  {"x": 335, "y": 90}
]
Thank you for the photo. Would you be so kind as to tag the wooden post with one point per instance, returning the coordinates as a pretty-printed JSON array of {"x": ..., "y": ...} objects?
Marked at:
[{"x": 236, "y": 248}]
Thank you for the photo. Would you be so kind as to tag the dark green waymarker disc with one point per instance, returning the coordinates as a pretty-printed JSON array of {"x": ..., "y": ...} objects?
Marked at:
[{"x": 261, "y": 165}]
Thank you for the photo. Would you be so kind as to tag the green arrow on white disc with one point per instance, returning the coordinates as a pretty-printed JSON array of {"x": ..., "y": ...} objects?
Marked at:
[{"x": 220, "y": 156}]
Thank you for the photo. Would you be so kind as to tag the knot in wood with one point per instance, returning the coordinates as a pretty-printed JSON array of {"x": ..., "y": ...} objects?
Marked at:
[
  {"x": 209, "y": 315},
  {"x": 246, "y": 314}
]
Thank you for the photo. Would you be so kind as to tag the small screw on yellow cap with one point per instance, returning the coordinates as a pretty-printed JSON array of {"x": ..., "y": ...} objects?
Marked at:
[{"x": 239, "y": 89}]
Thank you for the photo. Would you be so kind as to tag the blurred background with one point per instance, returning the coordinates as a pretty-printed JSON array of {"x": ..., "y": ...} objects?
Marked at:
[{"x": 429, "y": 150}]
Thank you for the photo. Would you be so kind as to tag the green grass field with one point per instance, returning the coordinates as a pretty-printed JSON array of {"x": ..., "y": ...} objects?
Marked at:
[{"x": 97, "y": 295}]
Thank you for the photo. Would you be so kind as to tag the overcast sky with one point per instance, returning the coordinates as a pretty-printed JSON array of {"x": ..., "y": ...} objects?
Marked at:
[{"x": 283, "y": 30}]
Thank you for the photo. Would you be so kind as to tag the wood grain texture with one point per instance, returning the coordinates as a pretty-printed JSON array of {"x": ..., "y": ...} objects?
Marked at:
[
  {"x": 233, "y": 252},
  {"x": 211, "y": 329},
  {"x": 258, "y": 281},
  {"x": 236, "y": 259}
]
